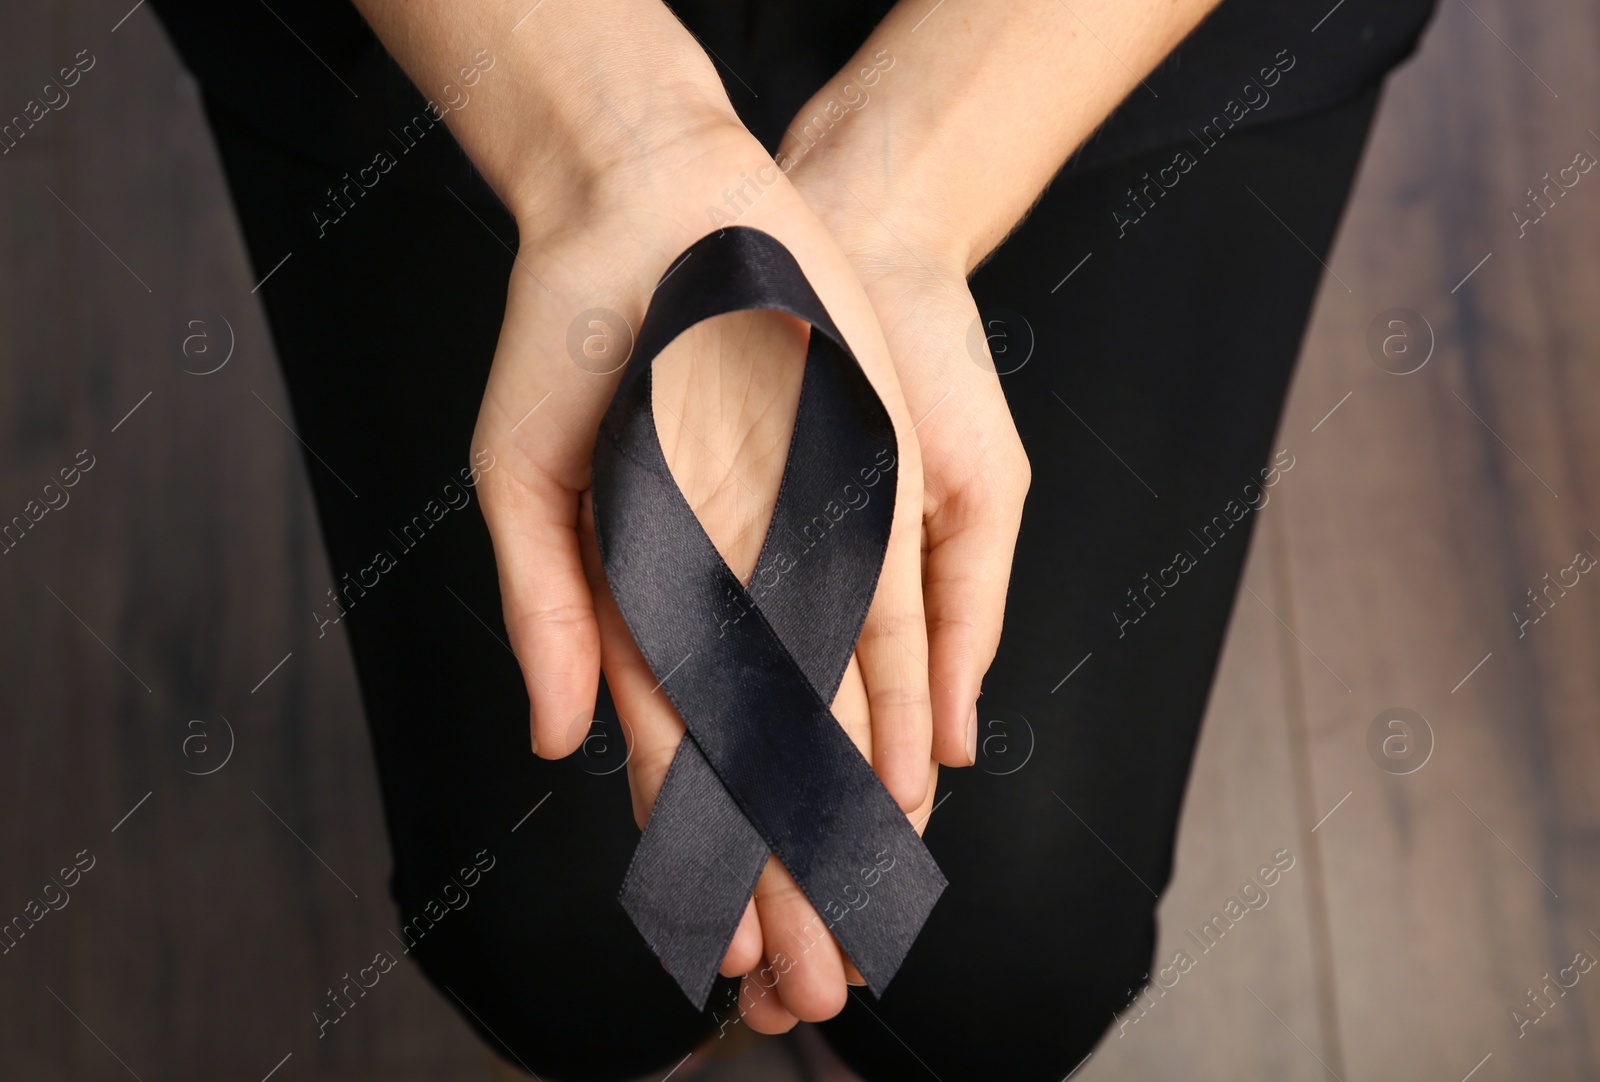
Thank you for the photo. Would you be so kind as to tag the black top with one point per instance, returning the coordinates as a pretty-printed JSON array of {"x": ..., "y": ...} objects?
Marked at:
[{"x": 310, "y": 74}]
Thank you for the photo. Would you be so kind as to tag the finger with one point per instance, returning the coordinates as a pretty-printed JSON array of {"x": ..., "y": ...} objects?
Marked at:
[
  {"x": 892, "y": 653},
  {"x": 919, "y": 817},
  {"x": 760, "y": 1007},
  {"x": 538, "y": 417},
  {"x": 892, "y": 649},
  {"x": 546, "y": 601},
  {"x": 803, "y": 965},
  {"x": 653, "y": 724},
  {"x": 724, "y": 393},
  {"x": 971, "y": 534},
  {"x": 744, "y": 953},
  {"x": 656, "y": 732},
  {"x": 923, "y": 812}
]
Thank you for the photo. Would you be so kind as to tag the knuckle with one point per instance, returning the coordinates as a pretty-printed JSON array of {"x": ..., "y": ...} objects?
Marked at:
[
  {"x": 908, "y": 795},
  {"x": 893, "y": 630},
  {"x": 824, "y": 1001},
  {"x": 900, "y": 702},
  {"x": 957, "y": 632},
  {"x": 1020, "y": 472},
  {"x": 554, "y": 628},
  {"x": 964, "y": 641},
  {"x": 1013, "y": 470},
  {"x": 649, "y": 764}
]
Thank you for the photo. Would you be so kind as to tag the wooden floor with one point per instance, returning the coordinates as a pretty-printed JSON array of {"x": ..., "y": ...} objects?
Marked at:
[{"x": 144, "y": 630}]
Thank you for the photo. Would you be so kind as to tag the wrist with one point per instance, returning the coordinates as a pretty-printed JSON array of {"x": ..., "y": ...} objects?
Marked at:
[
  {"x": 631, "y": 215},
  {"x": 878, "y": 223},
  {"x": 652, "y": 159},
  {"x": 588, "y": 96},
  {"x": 867, "y": 179}
]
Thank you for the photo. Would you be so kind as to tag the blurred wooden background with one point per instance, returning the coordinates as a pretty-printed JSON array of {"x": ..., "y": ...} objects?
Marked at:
[{"x": 1421, "y": 910}]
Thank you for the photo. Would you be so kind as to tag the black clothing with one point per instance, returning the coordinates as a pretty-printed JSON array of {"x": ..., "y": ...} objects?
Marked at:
[
  {"x": 311, "y": 75},
  {"x": 1174, "y": 343}
]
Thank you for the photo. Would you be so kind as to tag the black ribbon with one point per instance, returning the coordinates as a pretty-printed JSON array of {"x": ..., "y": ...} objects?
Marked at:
[{"x": 765, "y": 767}]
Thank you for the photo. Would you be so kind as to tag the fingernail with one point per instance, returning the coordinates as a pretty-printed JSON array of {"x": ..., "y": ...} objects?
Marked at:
[
  {"x": 972, "y": 737},
  {"x": 535, "y": 743}
]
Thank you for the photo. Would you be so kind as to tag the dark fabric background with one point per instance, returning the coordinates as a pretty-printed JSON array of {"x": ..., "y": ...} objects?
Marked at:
[
  {"x": 1176, "y": 344},
  {"x": 773, "y": 55}
]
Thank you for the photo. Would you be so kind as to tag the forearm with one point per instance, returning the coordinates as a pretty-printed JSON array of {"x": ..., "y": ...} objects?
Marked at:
[
  {"x": 553, "y": 104},
  {"x": 950, "y": 120}
]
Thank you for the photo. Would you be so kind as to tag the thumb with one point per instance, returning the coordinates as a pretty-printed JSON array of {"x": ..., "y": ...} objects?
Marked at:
[{"x": 549, "y": 611}]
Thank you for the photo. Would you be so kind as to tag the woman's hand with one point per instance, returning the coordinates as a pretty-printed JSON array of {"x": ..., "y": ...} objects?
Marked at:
[
  {"x": 920, "y": 156},
  {"x": 724, "y": 399},
  {"x": 725, "y": 395},
  {"x": 609, "y": 137},
  {"x": 975, "y": 472}
]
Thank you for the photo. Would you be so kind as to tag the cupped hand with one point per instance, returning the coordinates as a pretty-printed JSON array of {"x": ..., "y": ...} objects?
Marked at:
[
  {"x": 975, "y": 471},
  {"x": 724, "y": 399}
]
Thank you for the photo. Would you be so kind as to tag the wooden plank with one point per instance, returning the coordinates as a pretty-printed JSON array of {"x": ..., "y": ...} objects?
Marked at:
[
  {"x": 1412, "y": 535},
  {"x": 205, "y": 934},
  {"x": 1433, "y": 501},
  {"x": 1242, "y": 808}
]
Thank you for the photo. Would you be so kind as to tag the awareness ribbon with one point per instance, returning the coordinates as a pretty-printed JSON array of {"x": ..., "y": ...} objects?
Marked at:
[{"x": 764, "y": 766}]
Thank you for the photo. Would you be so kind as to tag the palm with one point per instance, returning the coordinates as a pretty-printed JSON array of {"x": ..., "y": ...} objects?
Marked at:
[
  {"x": 724, "y": 400},
  {"x": 974, "y": 469}
]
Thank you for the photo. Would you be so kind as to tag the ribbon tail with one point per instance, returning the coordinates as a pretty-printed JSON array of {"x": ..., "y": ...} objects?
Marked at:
[{"x": 693, "y": 873}]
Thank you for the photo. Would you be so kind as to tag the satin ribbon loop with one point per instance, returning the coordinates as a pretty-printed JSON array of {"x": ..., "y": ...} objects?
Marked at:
[{"x": 751, "y": 668}]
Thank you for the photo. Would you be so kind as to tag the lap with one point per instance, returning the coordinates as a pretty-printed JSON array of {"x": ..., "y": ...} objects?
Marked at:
[{"x": 1148, "y": 407}]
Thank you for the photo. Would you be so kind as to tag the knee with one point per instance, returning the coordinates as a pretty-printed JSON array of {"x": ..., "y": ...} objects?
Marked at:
[
  {"x": 553, "y": 1000},
  {"x": 1029, "y": 1006}
]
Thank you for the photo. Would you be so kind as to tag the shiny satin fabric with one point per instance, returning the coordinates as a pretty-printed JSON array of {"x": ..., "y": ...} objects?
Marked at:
[{"x": 751, "y": 669}]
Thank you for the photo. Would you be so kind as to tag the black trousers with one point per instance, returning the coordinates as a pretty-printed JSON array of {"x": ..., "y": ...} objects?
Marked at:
[{"x": 1146, "y": 385}]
